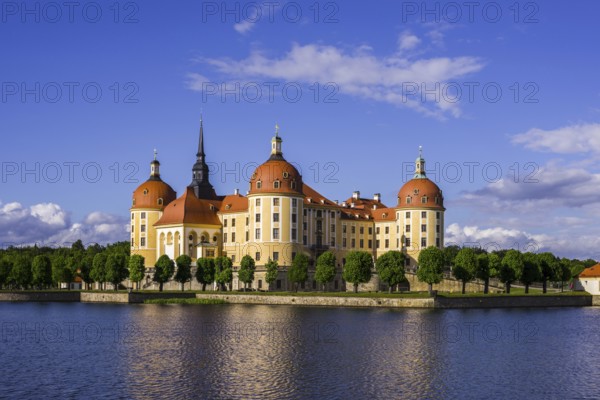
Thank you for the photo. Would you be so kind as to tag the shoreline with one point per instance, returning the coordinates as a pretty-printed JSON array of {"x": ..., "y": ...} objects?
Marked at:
[{"x": 438, "y": 302}]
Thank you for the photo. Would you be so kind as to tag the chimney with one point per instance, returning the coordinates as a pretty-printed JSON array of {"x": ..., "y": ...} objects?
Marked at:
[
  {"x": 356, "y": 195},
  {"x": 236, "y": 192},
  {"x": 344, "y": 204},
  {"x": 352, "y": 205},
  {"x": 377, "y": 197},
  {"x": 374, "y": 206}
]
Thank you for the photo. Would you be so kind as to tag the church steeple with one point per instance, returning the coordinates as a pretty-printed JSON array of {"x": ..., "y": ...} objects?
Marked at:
[
  {"x": 420, "y": 165},
  {"x": 276, "y": 153},
  {"x": 155, "y": 168},
  {"x": 200, "y": 171}
]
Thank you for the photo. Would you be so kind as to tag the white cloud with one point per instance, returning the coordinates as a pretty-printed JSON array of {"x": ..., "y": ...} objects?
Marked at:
[
  {"x": 492, "y": 238},
  {"x": 244, "y": 27},
  {"x": 408, "y": 41},
  {"x": 580, "y": 138},
  {"x": 48, "y": 223},
  {"x": 357, "y": 73}
]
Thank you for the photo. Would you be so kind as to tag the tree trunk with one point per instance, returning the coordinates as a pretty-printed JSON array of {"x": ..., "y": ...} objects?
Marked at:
[
  {"x": 356, "y": 288},
  {"x": 486, "y": 286},
  {"x": 544, "y": 286},
  {"x": 507, "y": 287},
  {"x": 430, "y": 289},
  {"x": 160, "y": 287},
  {"x": 182, "y": 283},
  {"x": 204, "y": 287},
  {"x": 390, "y": 289},
  {"x": 527, "y": 289},
  {"x": 562, "y": 286},
  {"x": 464, "y": 286},
  {"x": 296, "y": 286}
]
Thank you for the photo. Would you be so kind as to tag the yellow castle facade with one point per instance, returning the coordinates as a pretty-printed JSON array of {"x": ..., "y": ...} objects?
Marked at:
[{"x": 280, "y": 216}]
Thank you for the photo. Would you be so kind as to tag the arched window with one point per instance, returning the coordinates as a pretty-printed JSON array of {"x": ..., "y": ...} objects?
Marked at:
[
  {"x": 258, "y": 184},
  {"x": 276, "y": 184},
  {"x": 160, "y": 201}
]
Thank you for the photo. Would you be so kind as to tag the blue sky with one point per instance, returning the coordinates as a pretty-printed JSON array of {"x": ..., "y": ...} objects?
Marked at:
[{"x": 503, "y": 97}]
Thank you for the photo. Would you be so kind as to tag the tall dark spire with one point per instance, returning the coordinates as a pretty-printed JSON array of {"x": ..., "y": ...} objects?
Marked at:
[{"x": 200, "y": 182}]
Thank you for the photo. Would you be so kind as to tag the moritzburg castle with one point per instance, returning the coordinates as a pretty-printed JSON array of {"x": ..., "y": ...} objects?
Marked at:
[{"x": 279, "y": 217}]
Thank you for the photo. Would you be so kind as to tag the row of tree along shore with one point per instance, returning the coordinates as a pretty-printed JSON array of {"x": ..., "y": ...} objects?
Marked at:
[{"x": 44, "y": 267}]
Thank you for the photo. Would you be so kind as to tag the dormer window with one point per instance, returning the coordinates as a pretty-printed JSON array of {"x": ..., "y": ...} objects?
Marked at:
[
  {"x": 408, "y": 200},
  {"x": 160, "y": 201},
  {"x": 259, "y": 184},
  {"x": 416, "y": 191},
  {"x": 293, "y": 184},
  {"x": 424, "y": 199},
  {"x": 276, "y": 184},
  {"x": 286, "y": 175},
  {"x": 145, "y": 192}
]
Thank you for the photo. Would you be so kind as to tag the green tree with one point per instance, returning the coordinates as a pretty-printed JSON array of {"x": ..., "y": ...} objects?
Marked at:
[
  {"x": 358, "y": 267},
  {"x": 565, "y": 273},
  {"x": 390, "y": 268},
  {"x": 85, "y": 269},
  {"x": 450, "y": 253},
  {"x": 298, "y": 271},
  {"x": 59, "y": 263},
  {"x": 483, "y": 270},
  {"x": 116, "y": 269},
  {"x": 205, "y": 273},
  {"x": 184, "y": 270},
  {"x": 137, "y": 269},
  {"x": 325, "y": 270},
  {"x": 530, "y": 271},
  {"x": 465, "y": 266},
  {"x": 272, "y": 273},
  {"x": 550, "y": 268},
  {"x": 5, "y": 268},
  {"x": 163, "y": 271},
  {"x": 41, "y": 271},
  {"x": 510, "y": 266},
  {"x": 246, "y": 272},
  {"x": 98, "y": 271},
  {"x": 21, "y": 272},
  {"x": 431, "y": 266},
  {"x": 495, "y": 262},
  {"x": 223, "y": 272}
]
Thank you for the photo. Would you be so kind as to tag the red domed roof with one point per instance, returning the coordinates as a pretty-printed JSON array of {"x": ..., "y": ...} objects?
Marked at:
[
  {"x": 422, "y": 193},
  {"x": 189, "y": 209},
  {"x": 154, "y": 193},
  {"x": 276, "y": 176}
]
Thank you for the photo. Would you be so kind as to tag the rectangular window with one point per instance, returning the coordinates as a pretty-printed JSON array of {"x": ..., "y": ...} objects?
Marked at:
[
  {"x": 305, "y": 212},
  {"x": 275, "y": 233},
  {"x": 247, "y": 221},
  {"x": 344, "y": 228},
  {"x": 377, "y": 231},
  {"x": 304, "y": 226},
  {"x": 332, "y": 242},
  {"x": 353, "y": 243},
  {"x": 377, "y": 244},
  {"x": 278, "y": 284},
  {"x": 437, "y": 242},
  {"x": 343, "y": 242},
  {"x": 233, "y": 237},
  {"x": 233, "y": 258},
  {"x": 275, "y": 217},
  {"x": 143, "y": 228},
  {"x": 407, "y": 228},
  {"x": 257, "y": 234},
  {"x": 257, "y": 203},
  {"x": 132, "y": 228},
  {"x": 437, "y": 215},
  {"x": 294, "y": 218},
  {"x": 353, "y": 229},
  {"x": 362, "y": 230},
  {"x": 294, "y": 234},
  {"x": 143, "y": 242},
  {"x": 305, "y": 240},
  {"x": 257, "y": 217},
  {"x": 407, "y": 242},
  {"x": 423, "y": 228},
  {"x": 293, "y": 255},
  {"x": 247, "y": 236},
  {"x": 132, "y": 242},
  {"x": 275, "y": 256},
  {"x": 332, "y": 227},
  {"x": 370, "y": 230},
  {"x": 362, "y": 243},
  {"x": 437, "y": 228},
  {"x": 387, "y": 230},
  {"x": 370, "y": 243},
  {"x": 294, "y": 203},
  {"x": 257, "y": 256},
  {"x": 233, "y": 222},
  {"x": 423, "y": 214},
  {"x": 225, "y": 223},
  {"x": 319, "y": 214},
  {"x": 333, "y": 214},
  {"x": 225, "y": 237},
  {"x": 387, "y": 243},
  {"x": 132, "y": 216},
  {"x": 423, "y": 242},
  {"x": 276, "y": 202},
  {"x": 407, "y": 214},
  {"x": 143, "y": 215}
]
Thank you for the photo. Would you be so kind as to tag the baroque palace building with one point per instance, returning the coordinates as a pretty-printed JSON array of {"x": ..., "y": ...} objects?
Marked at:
[{"x": 279, "y": 217}]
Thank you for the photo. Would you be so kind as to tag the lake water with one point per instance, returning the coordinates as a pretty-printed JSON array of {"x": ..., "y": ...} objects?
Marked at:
[{"x": 74, "y": 350}]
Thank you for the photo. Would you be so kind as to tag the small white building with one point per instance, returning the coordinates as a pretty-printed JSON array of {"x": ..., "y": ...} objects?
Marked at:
[{"x": 589, "y": 280}]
